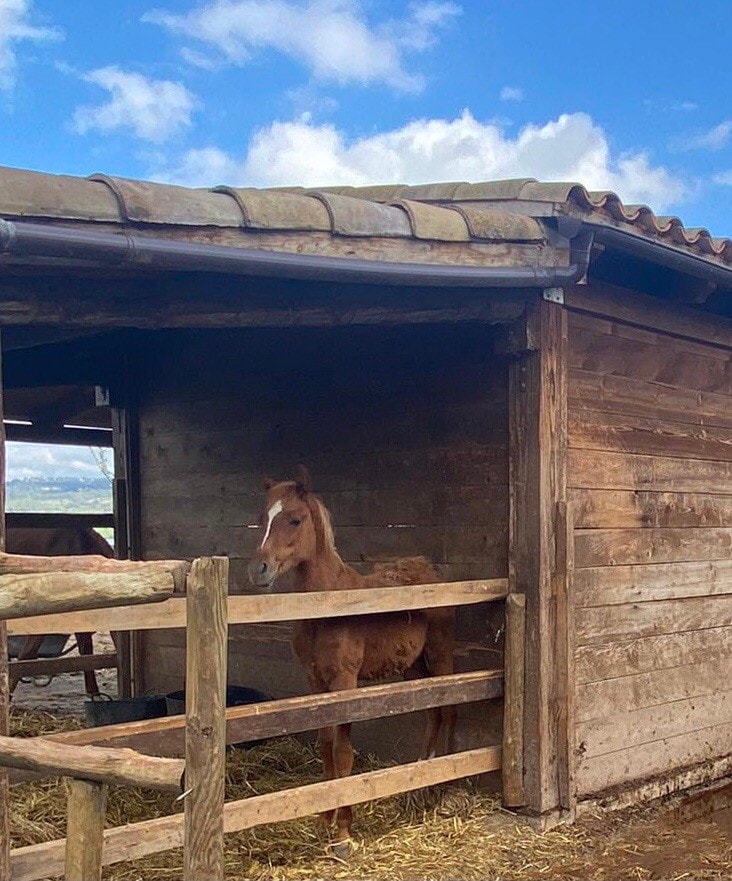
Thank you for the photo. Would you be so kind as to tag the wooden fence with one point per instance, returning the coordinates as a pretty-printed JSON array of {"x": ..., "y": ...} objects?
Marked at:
[{"x": 203, "y": 732}]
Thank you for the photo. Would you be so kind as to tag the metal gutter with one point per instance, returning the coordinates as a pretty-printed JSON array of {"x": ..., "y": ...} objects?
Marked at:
[
  {"x": 662, "y": 255},
  {"x": 124, "y": 249}
]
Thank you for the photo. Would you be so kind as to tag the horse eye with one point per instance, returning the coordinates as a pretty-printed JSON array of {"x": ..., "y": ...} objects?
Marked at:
[{"x": 295, "y": 522}]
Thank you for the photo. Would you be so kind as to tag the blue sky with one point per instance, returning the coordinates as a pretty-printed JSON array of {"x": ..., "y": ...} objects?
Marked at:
[{"x": 632, "y": 96}]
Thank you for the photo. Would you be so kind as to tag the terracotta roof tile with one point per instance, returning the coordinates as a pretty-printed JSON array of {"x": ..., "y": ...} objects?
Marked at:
[{"x": 507, "y": 210}]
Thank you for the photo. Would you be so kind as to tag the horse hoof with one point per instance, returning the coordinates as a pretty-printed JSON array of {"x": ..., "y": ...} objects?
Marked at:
[{"x": 342, "y": 850}]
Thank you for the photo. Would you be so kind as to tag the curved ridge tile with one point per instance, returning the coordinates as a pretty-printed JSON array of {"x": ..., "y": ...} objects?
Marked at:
[
  {"x": 358, "y": 217},
  {"x": 147, "y": 202},
  {"x": 282, "y": 209},
  {"x": 436, "y": 222},
  {"x": 34, "y": 194},
  {"x": 500, "y": 226}
]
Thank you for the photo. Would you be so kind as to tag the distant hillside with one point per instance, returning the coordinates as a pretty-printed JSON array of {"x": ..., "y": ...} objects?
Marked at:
[{"x": 80, "y": 495}]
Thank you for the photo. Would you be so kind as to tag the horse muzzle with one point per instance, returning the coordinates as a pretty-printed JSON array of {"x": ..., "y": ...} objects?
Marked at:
[{"x": 262, "y": 573}]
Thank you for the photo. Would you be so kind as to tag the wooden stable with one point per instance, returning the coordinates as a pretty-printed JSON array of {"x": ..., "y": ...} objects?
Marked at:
[
  {"x": 208, "y": 726},
  {"x": 517, "y": 380}
]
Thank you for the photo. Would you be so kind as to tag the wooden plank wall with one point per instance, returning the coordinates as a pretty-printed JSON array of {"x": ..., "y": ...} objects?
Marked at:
[
  {"x": 650, "y": 478},
  {"x": 404, "y": 432}
]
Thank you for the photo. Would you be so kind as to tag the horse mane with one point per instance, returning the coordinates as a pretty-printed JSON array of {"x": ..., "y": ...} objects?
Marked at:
[{"x": 323, "y": 524}]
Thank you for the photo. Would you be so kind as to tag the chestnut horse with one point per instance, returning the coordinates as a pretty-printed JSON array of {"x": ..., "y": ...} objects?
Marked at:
[
  {"x": 50, "y": 542},
  {"x": 338, "y": 652}
]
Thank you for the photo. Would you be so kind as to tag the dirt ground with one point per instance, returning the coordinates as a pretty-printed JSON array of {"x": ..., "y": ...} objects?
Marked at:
[
  {"x": 64, "y": 695},
  {"x": 452, "y": 832}
]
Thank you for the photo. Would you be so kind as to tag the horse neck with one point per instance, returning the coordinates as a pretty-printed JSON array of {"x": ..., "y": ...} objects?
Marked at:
[{"x": 325, "y": 570}]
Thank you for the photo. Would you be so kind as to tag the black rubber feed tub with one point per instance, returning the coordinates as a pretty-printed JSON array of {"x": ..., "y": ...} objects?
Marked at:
[
  {"x": 132, "y": 709},
  {"x": 236, "y": 696}
]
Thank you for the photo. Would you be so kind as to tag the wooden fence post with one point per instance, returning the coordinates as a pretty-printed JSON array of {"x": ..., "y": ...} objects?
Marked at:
[
  {"x": 513, "y": 701},
  {"x": 85, "y": 830},
  {"x": 4, "y": 672},
  {"x": 206, "y": 645}
]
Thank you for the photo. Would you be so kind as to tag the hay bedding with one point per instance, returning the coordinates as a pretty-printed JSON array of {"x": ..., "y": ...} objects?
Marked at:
[{"x": 450, "y": 832}]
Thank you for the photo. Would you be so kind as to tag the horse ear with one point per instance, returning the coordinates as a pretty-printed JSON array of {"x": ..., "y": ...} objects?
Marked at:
[
  {"x": 303, "y": 485},
  {"x": 268, "y": 483}
]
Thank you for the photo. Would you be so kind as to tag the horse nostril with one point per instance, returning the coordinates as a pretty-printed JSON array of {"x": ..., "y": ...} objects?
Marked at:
[{"x": 264, "y": 568}]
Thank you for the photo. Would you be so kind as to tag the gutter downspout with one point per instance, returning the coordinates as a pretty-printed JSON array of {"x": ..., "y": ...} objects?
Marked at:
[{"x": 20, "y": 238}]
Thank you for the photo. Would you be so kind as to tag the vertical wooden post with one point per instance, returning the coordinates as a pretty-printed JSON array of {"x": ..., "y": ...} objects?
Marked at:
[
  {"x": 85, "y": 830},
  {"x": 537, "y": 475},
  {"x": 565, "y": 672},
  {"x": 127, "y": 508},
  {"x": 4, "y": 673},
  {"x": 512, "y": 761},
  {"x": 206, "y": 644}
]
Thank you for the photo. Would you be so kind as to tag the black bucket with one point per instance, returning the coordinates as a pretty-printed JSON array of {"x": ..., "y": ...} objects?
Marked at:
[
  {"x": 131, "y": 709},
  {"x": 236, "y": 696}
]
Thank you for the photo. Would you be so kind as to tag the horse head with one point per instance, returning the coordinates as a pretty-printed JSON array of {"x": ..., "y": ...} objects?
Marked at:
[{"x": 291, "y": 525}]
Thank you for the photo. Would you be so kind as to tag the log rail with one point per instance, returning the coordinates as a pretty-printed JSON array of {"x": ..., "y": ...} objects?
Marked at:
[{"x": 206, "y": 628}]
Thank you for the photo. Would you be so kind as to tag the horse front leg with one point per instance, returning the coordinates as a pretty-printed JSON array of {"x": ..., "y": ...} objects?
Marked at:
[
  {"x": 85, "y": 644},
  {"x": 326, "y": 737},
  {"x": 343, "y": 755},
  {"x": 28, "y": 652},
  {"x": 419, "y": 670}
]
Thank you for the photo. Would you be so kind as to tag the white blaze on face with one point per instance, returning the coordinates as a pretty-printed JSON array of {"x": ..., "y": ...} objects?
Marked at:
[{"x": 271, "y": 514}]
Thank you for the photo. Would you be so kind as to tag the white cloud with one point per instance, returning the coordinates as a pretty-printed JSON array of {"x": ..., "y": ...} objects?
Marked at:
[
  {"x": 14, "y": 27},
  {"x": 332, "y": 38},
  {"x": 572, "y": 148},
  {"x": 712, "y": 139},
  {"x": 724, "y": 178},
  {"x": 49, "y": 460},
  {"x": 154, "y": 109},
  {"x": 511, "y": 93}
]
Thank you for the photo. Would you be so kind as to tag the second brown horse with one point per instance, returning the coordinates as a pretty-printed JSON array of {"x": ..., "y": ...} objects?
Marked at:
[{"x": 338, "y": 652}]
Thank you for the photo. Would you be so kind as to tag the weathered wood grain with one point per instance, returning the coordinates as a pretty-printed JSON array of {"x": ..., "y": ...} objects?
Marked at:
[
  {"x": 669, "y": 363},
  {"x": 122, "y": 767},
  {"x": 55, "y": 666},
  {"x": 590, "y": 391},
  {"x": 599, "y": 700},
  {"x": 659, "y": 757},
  {"x": 513, "y": 703},
  {"x": 579, "y": 321},
  {"x": 27, "y": 564},
  {"x": 620, "y": 547},
  {"x": 616, "y": 509},
  {"x": 206, "y": 630},
  {"x": 635, "y": 620},
  {"x": 84, "y": 830},
  {"x": 537, "y": 479},
  {"x": 624, "y": 730},
  {"x": 615, "y": 585},
  {"x": 273, "y": 607},
  {"x": 295, "y": 714},
  {"x": 598, "y": 469},
  {"x": 643, "y": 655},
  {"x": 649, "y": 436},
  {"x": 639, "y": 309},
  {"x": 58, "y": 592},
  {"x": 137, "y": 840},
  {"x": 4, "y": 675}
]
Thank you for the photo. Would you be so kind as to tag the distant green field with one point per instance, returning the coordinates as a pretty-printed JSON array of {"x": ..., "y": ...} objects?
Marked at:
[
  {"x": 76, "y": 495},
  {"x": 73, "y": 495}
]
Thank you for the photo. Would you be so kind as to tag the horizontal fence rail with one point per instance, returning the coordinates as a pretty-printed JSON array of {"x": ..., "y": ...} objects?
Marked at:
[
  {"x": 294, "y": 714},
  {"x": 269, "y": 608},
  {"x": 66, "y": 664},
  {"x": 137, "y": 840}
]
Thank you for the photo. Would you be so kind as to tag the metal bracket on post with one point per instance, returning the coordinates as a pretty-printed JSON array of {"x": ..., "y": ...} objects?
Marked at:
[{"x": 553, "y": 295}]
